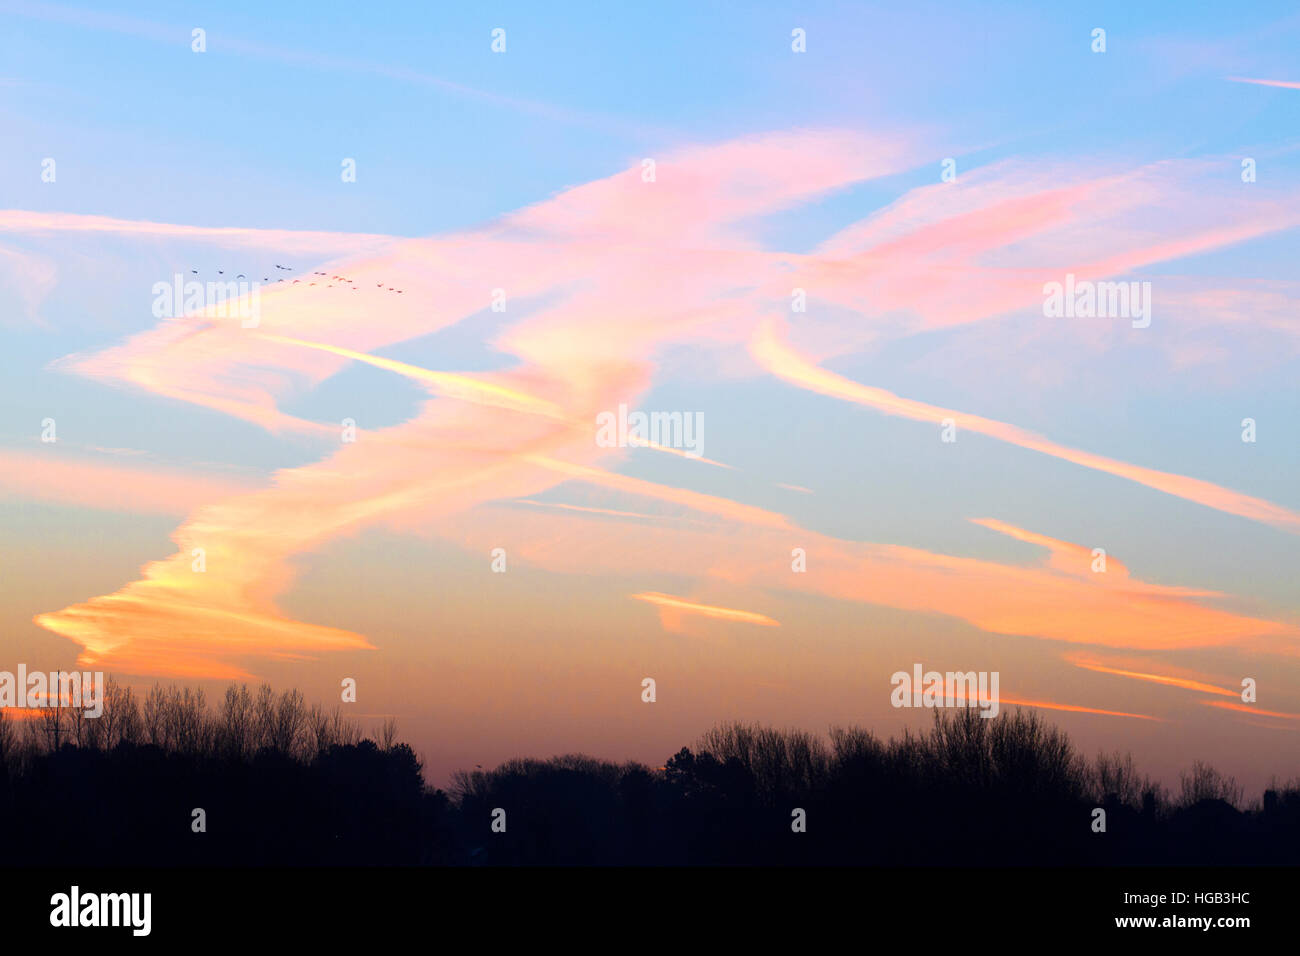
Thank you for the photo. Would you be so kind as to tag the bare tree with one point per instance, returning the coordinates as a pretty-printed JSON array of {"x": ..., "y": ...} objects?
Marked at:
[
  {"x": 782, "y": 763},
  {"x": 388, "y": 733},
  {"x": 9, "y": 740},
  {"x": 121, "y": 717},
  {"x": 263, "y": 717},
  {"x": 153, "y": 717},
  {"x": 55, "y": 725},
  {"x": 186, "y": 720},
  {"x": 1203, "y": 782},
  {"x": 288, "y": 722},
  {"x": 237, "y": 722}
]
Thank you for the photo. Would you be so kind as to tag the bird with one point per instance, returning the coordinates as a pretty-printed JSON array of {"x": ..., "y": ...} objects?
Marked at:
[
  {"x": 195, "y": 271},
  {"x": 241, "y": 276},
  {"x": 220, "y": 273}
]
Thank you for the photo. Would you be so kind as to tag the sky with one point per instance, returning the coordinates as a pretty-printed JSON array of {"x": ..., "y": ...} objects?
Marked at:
[{"x": 826, "y": 234}]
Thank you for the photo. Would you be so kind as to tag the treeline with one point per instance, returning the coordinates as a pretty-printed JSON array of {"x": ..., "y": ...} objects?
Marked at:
[
  {"x": 968, "y": 791},
  {"x": 178, "y": 720},
  {"x": 281, "y": 783},
  {"x": 275, "y": 781}
]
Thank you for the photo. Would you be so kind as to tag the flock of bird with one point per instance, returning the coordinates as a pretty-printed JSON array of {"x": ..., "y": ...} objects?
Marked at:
[{"x": 351, "y": 283}]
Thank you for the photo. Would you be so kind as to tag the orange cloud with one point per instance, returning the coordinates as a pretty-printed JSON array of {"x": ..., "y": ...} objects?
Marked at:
[
  {"x": 1250, "y": 709},
  {"x": 1032, "y": 602},
  {"x": 1065, "y": 555},
  {"x": 676, "y": 605},
  {"x": 1166, "y": 679},
  {"x": 1053, "y": 705},
  {"x": 1076, "y": 708},
  {"x": 590, "y": 319}
]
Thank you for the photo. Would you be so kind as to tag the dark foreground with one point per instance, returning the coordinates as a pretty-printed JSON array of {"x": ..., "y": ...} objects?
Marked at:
[{"x": 278, "y": 785}]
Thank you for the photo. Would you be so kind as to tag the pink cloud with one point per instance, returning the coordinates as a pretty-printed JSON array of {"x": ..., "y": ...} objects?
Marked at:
[
  {"x": 589, "y": 317},
  {"x": 781, "y": 360}
]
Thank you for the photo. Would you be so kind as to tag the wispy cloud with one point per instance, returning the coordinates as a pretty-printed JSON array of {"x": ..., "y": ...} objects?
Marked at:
[
  {"x": 1168, "y": 680},
  {"x": 241, "y": 46},
  {"x": 672, "y": 606},
  {"x": 1075, "y": 708},
  {"x": 1285, "y": 84},
  {"x": 600, "y": 318},
  {"x": 781, "y": 360},
  {"x": 137, "y": 489},
  {"x": 1251, "y": 709}
]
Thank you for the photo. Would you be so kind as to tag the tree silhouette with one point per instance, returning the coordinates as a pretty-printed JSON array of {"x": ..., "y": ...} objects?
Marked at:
[{"x": 284, "y": 783}]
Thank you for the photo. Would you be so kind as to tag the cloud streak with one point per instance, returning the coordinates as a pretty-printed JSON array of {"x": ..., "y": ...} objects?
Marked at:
[
  {"x": 771, "y": 352},
  {"x": 672, "y": 606},
  {"x": 592, "y": 323},
  {"x": 1284, "y": 84}
]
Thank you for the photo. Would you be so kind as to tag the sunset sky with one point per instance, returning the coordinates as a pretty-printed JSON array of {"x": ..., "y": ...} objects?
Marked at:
[{"x": 524, "y": 171}]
